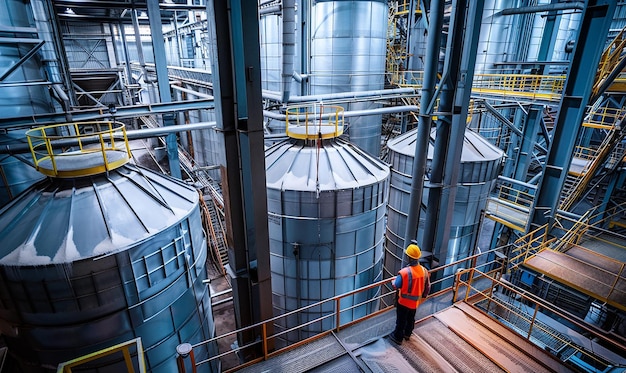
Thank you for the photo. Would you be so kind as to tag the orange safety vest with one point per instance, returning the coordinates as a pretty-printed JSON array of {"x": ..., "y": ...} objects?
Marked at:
[{"x": 413, "y": 279}]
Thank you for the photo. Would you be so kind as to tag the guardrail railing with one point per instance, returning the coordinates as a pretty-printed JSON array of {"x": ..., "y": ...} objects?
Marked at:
[
  {"x": 490, "y": 263},
  {"x": 79, "y": 149}
]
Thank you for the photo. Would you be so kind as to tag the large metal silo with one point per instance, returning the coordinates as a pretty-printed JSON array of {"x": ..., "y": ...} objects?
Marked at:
[
  {"x": 496, "y": 36},
  {"x": 348, "y": 54},
  {"x": 479, "y": 169},
  {"x": 326, "y": 207},
  {"x": 95, "y": 260}
]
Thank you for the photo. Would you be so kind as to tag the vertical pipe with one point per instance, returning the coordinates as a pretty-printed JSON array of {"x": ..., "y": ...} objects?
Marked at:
[
  {"x": 289, "y": 46},
  {"x": 160, "y": 62},
  {"x": 425, "y": 121},
  {"x": 129, "y": 73},
  {"x": 463, "y": 56},
  {"x": 442, "y": 147}
]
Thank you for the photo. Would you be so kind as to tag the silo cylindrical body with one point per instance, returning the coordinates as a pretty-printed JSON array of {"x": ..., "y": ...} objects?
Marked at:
[
  {"x": 495, "y": 39},
  {"x": 326, "y": 206},
  {"x": 348, "y": 54},
  {"x": 90, "y": 262},
  {"x": 479, "y": 169}
]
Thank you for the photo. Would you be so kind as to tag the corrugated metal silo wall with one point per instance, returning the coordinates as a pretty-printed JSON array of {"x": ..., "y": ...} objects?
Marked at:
[
  {"x": 495, "y": 36},
  {"x": 324, "y": 245},
  {"x": 476, "y": 179},
  {"x": 348, "y": 54},
  {"x": 154, "y": 290},
  {"x": 271, "y": 51}
]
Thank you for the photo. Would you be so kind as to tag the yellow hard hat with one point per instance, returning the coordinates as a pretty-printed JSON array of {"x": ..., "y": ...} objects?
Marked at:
[{"x": 413, "y": 251}]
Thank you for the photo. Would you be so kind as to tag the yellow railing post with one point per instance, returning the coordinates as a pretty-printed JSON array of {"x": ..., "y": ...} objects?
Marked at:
[{"x": 338, "y": 316}]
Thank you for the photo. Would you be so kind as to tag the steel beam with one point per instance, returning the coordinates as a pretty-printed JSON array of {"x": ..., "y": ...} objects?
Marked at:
[
  {"x": 596, "y": 20},
  {"x": 239, "y": 113},
  {"x": 528, "y": 138},
  {"x": 121, "y": 112},
  {"x": 424, "y": 123},
  {"x": 463, "y": 50},
  {"x": 160, "y": 60}
]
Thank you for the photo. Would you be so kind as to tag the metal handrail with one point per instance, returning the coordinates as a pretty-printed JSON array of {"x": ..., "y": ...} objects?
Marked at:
[
  {"x": 124, "y": 348},
  {"x": 474, "y": 296},
  {"x": 266, "y": 340},
  {"x": 316, "y": 121},
  {"x": 49, "y": 145}
]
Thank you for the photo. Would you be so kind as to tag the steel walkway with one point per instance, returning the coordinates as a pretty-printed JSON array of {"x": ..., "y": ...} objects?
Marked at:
[{"x": 458, "y": 339}]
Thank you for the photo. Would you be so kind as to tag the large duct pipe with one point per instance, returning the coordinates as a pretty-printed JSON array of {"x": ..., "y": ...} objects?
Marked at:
[
  {"x": 544, "y": 8},
  {"x": 289, "y": 45},
  {"x": 373, "y": 94}
]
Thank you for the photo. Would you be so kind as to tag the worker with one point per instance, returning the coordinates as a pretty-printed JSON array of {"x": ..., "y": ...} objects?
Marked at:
[{"x": 413, "y": 283}]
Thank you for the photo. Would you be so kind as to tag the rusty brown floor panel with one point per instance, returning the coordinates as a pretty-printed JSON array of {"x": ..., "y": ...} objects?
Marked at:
[
  {"x": 514, "y": 339},
  {"x": 508, "y": 356},
  {"x": 596, "y": 280}
]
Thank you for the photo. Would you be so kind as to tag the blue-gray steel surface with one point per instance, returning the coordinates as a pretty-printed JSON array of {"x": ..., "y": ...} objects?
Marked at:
[
  {"x": 326, "y": 221},
  {"x": 596, "y": 20},
  {"x": 271, "y": 51},
  {"x": 495, "y": 35},
  {"x": 478, "y": 170},
  {"x": 348, "y": 53},
  {"x": 15, "y": 100},
  {"x": 424, "y": 122},
  {"x": 158, "y": 48},
  {"x": 239, "y": 114},
  {"x": 92, "y": 262},
  {"x": 15, "y": 174}
]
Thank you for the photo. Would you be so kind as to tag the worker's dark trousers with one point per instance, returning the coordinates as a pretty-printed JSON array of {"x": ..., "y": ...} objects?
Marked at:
[{"x": 405, "y": 320}]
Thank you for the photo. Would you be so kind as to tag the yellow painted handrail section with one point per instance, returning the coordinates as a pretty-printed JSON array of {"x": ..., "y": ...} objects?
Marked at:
[
  {"x": 79, "y": 149},
  {"x": 317, "y": 121},
  {"x": 124, "y": 348}
]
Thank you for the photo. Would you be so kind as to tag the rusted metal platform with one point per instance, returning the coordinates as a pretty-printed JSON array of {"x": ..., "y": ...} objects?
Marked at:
[
  {"x": 591, "y": 273},
  {"x": 458, "y": 338}
]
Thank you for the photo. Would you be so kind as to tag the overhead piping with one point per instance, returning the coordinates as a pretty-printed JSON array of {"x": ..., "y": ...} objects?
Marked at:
[
  {"x": 21, "y": 148},
  {"x": 379, "y": 93},
  {"x": 346, "y": 114},
  {"x": 289, "y": 45},
  {"x": 543, "y": 8}
]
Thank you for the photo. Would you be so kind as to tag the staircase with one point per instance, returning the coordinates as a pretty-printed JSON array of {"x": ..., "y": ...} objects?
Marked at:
[
  {"x": 612, "y": 62},
  {"x": 587, "y": 161}
]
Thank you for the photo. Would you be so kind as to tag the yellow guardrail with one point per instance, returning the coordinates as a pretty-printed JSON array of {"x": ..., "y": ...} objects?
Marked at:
[
  {"x": 124, "y": 348},
  {"x": 317, "y": 121},
  {"x": 547, "y": 87},
  {"x": 79, "y": 149},
  {"x": 604, "y": 118}
]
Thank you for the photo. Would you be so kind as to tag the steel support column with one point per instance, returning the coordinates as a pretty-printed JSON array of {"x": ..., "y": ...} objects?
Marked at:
[
  {"x": 441, "y": 151},
  {"x": 239, "y": 114},
  {"x": 596, "y": 20},
  {"x": 160, "y": 62},
  {"x": 462, "y": 64},
  {"x": 528, "y": 139},
  {"x": 424, "y": 121}
]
